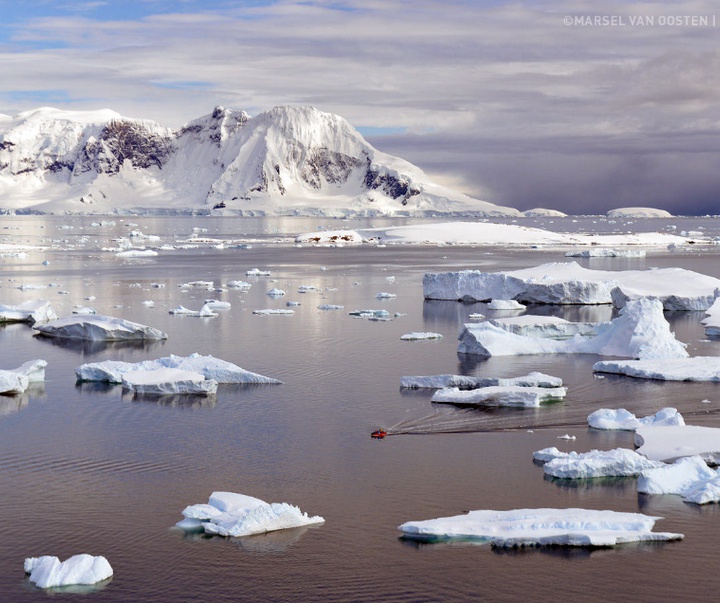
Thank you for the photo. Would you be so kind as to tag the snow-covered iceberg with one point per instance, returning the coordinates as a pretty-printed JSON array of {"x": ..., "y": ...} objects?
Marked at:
[
  {"x": 233, "y": 514},
  {"x": 712, "y": 322},
  {"x": 32, "y": 311},
  {"x": 98, "y": 328},
  {"x": 524, "y": 397},
  {"x": 570, "y": 283},
  {"x": 620, "y": 462},
  {"x": 640, "y": 331},
  {"x": 671, "y": 442},
  {"x": 162, "y": 381},
  {"x": 16, "y": 381},
  {"x": 222, "y": 371},
  {"x": 697, "y": 368},
  {"x": 533, "y": 379},
  {"x": 688, "y": 477},
  {"x": 540, "y": 527},
  {"x": 50, "y": 572},
  {"x": 621, "y": 419}
]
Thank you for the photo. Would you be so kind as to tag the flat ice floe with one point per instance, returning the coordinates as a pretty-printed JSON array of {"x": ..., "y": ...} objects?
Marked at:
[
  {"x": 32, "y": 311},
  {"x": 222, "y": 371},
  {"x": 204, "y": 312},
  {"x": 419, "y": 336},
  {"x": 533, "y": 379},
  {"x": 162, "y": 381},
  {"x": 620, "y": 462},
  {"x": 569, "y": 283},
  {"x": 16, "y": 381},
  {"x": 621, "y": 419},
  {"x": 540, "y": 527},
  {"x": 50, "y": 572},
  {"x": 688, "y": 477},
  {"x": 524, "y": 397},
  {"x": 232, "y": 514},
  {"x": 640, "y": 331},
  {"x": 698, "y": 368},
  {"x": 671, "y": 442},
  {"x": 98, "y": 328}
]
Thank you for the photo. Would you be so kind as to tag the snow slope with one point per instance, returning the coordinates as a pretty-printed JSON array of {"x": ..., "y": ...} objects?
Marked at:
[{"x": 285, "y": 161}]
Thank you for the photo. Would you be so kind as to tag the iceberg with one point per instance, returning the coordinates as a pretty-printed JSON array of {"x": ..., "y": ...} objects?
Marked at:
[
  {"x": 417, "y": 336},
  {"x": 668, "y": 443},
  {"x": 533, "y": 379},
  {"x": 232, "y": 514},
  {"x": 712, "y": 322},
  {"x": 136, "y": 253},
  {"x": 273, "y": 311},
  {"x": 50, "y": 572},
  {"x": 540, "y": 527},
  {"x": 688, "y": 477},
  {"x": 640, "y": 331},
  {"x": 222, "y": 371},
  {"x": 604, "y": 252},
  {"x": 570, "y": 283},
  {"x": 161, "y": 381},
  {"x": 98, "y": 328},
  {"x": 524, "y": 397},
  {"x": 550, "y": 327},
  {"x": 16, "y": 381},
  {"x": 697, "y": 368},
  {"x": 204, "y": 312},
  {"x": 620, "y": 462},
  {"x": 32, "y": 311},
  {"x": 621, "y": 419}
]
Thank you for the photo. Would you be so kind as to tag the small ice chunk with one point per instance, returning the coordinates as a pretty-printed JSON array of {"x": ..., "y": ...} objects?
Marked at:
[
  {"x": 50, "y": 572},
  {"x": 257, "y": 272},
  {"x": 330, "y": 307},
  {"x": 275, "y": 292},
  {"x": 204, "y": 312},
  {"x": 83, "y": 310},
  {"x": 216, "y": 304},
  {"x": 238, "y": 285},
  {"x": 505, "y": 304},
  {"x": 417, "y": 336},
  {"x": 385, "y": 295},
  {"x": 274, "y": 311}
]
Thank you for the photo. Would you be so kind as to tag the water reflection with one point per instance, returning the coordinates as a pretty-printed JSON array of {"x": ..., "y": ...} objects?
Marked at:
[
  {"x": 71, "y": 589},
  {"x": 274, "y": 542},
  {"x": 87, "y": 347},
  {"x": 187, "y": 401},
  {"x": 619, "y": 484}
]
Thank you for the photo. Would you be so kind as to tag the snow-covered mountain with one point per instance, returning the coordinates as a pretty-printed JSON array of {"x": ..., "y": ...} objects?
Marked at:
[{"x": 285, "y": 161}]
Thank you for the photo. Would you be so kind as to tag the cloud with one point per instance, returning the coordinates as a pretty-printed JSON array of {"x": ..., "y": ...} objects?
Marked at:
[{"x": 502, "y": 99}]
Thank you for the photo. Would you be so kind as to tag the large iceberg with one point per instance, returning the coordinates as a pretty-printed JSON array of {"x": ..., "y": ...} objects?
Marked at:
[
  {"x": 621, "y": 419},
  {"x": 640, "y": 331},
  {"x": 620, "y": 462},
  {"x": 570, "y": 283},
  {"x": 162, "y": 381},
  {"x": 671, "y": 442},
  {"x": 222, "y": 371},
  {"x": 233, "y": 514},
  {"x": 16, "y": 381},
  {"x": 540, "y": 527},
  {"x": 698, "y": 368},
  {"x": 524, "y": 397},
  {"x": 50, "y": 572},
  {"x": 688, "y": 477},
  {"x": 98, "y": 328},
  {"x": 38, "y": 310}
]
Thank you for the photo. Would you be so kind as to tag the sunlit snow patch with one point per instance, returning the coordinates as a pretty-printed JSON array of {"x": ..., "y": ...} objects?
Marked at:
[
  {"x": 540, "y": 527},
  {"x": 232, "y": 514}
]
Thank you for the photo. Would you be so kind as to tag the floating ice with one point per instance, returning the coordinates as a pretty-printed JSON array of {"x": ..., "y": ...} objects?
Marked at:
[
  {"x": 385, "y": 295},
  {"x": 330, "y": 307},
  {"x": 136, "y": 253},
  {"x": 551, "y": 327},
  {"x": 163, "y": 381},
  {"x": 98, "y": 328},
  {"x": 640, "y": 331},
  {"x": 216, "y": 304},
  {"x": 238, "y": 285},
  {"x": 570, "y": 283},
  {"x": 204, "y": 312},
  {"x": 16, "y": 381},
  {"x": 273, "y": 311},
  {"x": 540, "y": 527},
  {"x": 112, "y": 371},
  {"x": 688, "y": 477},
  {"x": 83, "y": 310},
  {"x": 526, "y": 397},
  {"x": 596, "y": 252},
  {"x": 370, "y": 313},
  {"x": 621, "y": 419},
  {"x": 698, "y": 368},
  {"x": 232, "y": 514},
  {"x": 620, "y": 462},
  {"x": 533, "y": 379},
  {"x": 257, "y": 272},
  {"x": 275, "y": 292},
  {"x": 505, "y": 304},
  {"x": 420, "y": 336},
  {"x": 31, "y": 311},
  {"x": 712, "y": 322},
  {"x": 671, "y": 442},
  {"x": 50, "y": 572}
]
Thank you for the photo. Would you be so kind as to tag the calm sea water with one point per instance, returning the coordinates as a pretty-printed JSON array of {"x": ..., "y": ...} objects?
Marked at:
[{"x": 90, "y": 469}]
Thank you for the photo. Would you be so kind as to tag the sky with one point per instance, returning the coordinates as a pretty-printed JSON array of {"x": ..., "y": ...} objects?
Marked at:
[{"x": 580, "y": 106}]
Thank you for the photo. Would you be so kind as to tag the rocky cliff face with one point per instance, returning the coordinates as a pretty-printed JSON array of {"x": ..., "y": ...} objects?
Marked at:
[{"x": 288, "y": 160}]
